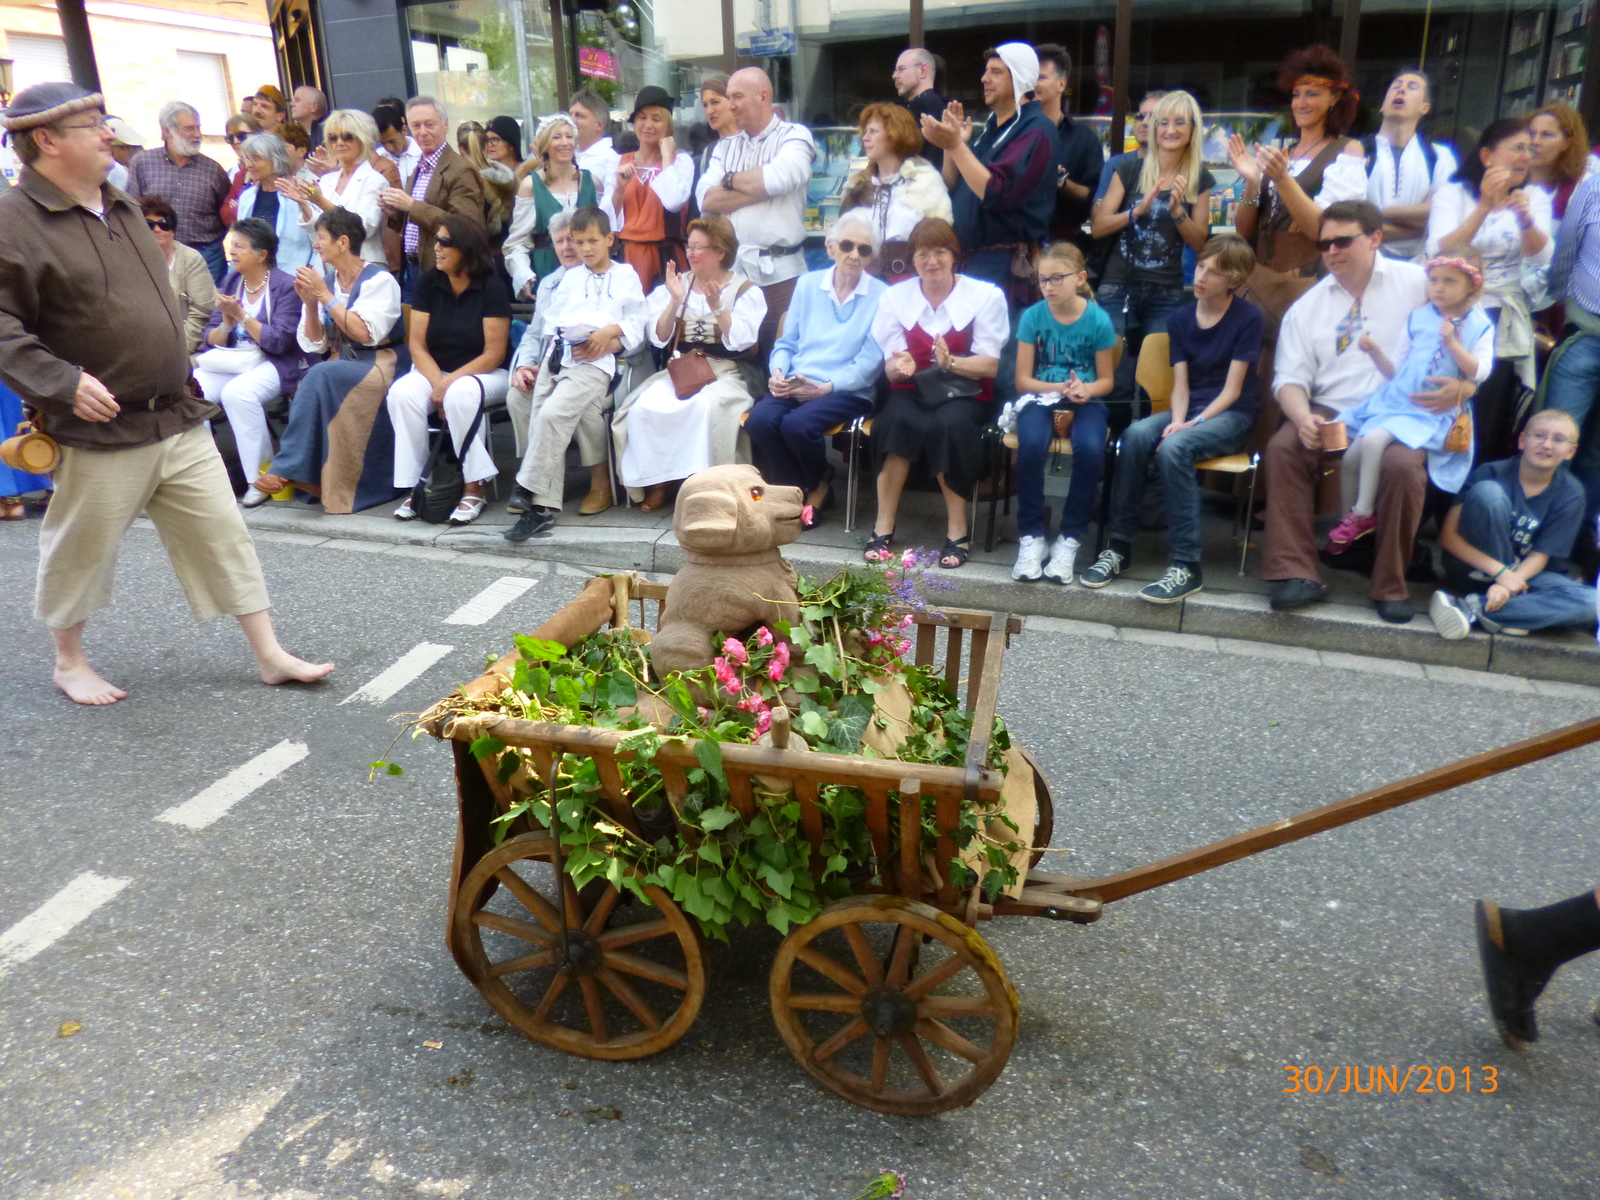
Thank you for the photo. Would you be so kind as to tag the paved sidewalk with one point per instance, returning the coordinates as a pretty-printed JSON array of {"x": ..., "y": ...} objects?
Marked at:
[{"x": 1232, "y": 606}]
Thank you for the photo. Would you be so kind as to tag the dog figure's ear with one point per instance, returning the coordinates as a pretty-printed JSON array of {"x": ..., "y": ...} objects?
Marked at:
[{"x": 707, "y": 521}]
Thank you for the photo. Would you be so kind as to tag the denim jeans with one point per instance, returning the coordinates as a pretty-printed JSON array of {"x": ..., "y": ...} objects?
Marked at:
[
  {"x": 1551, "y": 600},
  {"x": 787, "y": 437},
  {"x": 216, "y": 261},
  {"x": 1146, "y": 308},
  {"x": 1572, "y": 386},
  {"x": 1035, "y": 428},
  {"x": 1175, "y": 457}
]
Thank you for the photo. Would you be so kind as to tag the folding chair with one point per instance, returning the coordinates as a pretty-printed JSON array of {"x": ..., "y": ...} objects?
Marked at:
[{"x": 1154, "y": 374}]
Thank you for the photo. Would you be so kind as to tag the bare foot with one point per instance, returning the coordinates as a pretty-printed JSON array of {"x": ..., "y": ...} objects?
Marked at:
[
  {"x": 289, "y": 669},
  {"x": 83, "y": 685}
]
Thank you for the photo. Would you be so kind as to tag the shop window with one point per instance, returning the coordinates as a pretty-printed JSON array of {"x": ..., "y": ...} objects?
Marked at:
[{"x": 465, "y": 53}]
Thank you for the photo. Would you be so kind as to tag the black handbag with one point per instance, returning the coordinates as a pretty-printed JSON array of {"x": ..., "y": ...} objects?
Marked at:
[
  {"x": 937, "y": 387},
  {"x": 443, "y": 481}
]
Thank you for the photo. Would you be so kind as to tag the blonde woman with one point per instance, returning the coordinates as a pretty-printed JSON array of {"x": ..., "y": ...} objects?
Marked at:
[
  {"x": 1154, "y": 206},
  {"x": 350, "y": 135},
  {"x": 499, "y": 180},
  {"x": 557, "y": 185}
]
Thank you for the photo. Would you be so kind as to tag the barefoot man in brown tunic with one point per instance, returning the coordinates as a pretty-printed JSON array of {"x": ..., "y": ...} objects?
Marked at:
[{"x": 92, "y": 339}]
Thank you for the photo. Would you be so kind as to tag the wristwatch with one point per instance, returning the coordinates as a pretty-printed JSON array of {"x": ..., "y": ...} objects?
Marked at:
[{"x": 727, "y": 181}]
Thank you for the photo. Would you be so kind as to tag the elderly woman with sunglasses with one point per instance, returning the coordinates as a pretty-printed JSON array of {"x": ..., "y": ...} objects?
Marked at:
[
  {"x": 266, "y": 158},
  {"x": 350, "y": 135},
  {"x": 186, "y": 269},
  {"x": 824, "y": 365}
]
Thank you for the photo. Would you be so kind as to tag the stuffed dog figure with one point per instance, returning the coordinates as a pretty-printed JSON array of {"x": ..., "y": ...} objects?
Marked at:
[{"x": 730, "y": 523}]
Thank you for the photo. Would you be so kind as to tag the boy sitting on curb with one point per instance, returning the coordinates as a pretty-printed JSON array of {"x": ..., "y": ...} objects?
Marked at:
[{"x": 1506, "y": 542}]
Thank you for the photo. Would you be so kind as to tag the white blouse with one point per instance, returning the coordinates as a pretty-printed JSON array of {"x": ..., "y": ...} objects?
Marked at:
[
  {"x": 378, "y": 306},
  {"x": 1499, "y": 238},
  {"x": 1345, "y": 178},
  {"x": 749, "y": 310},
  {"x": 971, "y": 302},
  {"x": 360, "y": 196}
]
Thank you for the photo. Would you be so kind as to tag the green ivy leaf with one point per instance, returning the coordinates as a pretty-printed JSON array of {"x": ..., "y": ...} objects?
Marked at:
[
  {"x": 812, "y": 723},
  {"x": 507, "y": 768},
  {"x": 621, "y": 691},
  {"x": 849, "y": 723},
  {"x": 781, "y": 882},
  {"x": 482, "y": 747},
  {"x": 538, "y": 650},
  {"x": 713, "y": 819},
  {"x": 709, "y": 752},
  {"x": 825, "y": 657}
]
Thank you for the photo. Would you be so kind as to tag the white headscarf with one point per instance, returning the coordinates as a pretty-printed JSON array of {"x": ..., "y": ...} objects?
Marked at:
[{"x": 1023, "y": 64}]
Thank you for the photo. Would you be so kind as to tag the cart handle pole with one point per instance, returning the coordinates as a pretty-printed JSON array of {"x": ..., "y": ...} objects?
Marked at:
[{"x": 1342, "y": 812}]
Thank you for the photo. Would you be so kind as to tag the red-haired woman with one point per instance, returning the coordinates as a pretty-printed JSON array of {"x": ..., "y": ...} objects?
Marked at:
[
  {"x": 1287, "y": 189},
  {"x": 896, "y": 189}
]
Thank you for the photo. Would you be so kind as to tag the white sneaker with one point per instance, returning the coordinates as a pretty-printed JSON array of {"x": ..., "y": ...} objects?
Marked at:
[
  {"x": 254, "y": 497},
  {"x": 1030, "y": 554},
  {"x": 1450, "y": 617},
  {"x": 1063, "y": 555}
]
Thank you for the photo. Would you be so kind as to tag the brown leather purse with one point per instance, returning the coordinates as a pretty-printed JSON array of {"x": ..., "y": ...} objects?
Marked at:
[{"x": 690, "y": 371}]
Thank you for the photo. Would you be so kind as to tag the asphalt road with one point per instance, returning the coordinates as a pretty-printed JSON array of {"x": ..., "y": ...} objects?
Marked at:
[{"x": 245, "y": 1009}]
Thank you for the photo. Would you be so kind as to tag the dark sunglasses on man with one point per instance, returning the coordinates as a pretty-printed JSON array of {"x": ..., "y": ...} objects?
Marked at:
[
  {"x": 1338, "y": 243},
  {"x": 160, "y": 223},
  {"x": 863, "y": 249}
]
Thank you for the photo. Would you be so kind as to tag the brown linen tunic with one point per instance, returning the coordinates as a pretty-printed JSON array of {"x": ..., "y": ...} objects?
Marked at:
[{"x": 80, "y": 294}]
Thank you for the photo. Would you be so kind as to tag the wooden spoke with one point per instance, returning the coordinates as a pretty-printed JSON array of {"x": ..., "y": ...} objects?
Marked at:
[
  {"x": 941, "y": 1034},
  {"x": 865, "y": 958},
  {"x": 551, "y": 995},
  {"x": 597, "y": 1016},
  {"x": 623, "y": 991},
  {"x": 526, "y": 962},
  {"x": 855, "y": 1029},
  {"x": 543, "y": 1005},
  {"x": 628, "y": 935},
  {"x": 531, "y": 899},
  {"x": 644, "y": 968},
  {"x": 815, "y": 1036},
  {"x": 824, "y": 965},
  {"x": 956, "y": 1006},
  {"x": 918, "y": 1054},
  {"x": 880, "y": 1063},
  {"x": 825, "y": 1002},
  {"x": 900, "y": 956},
  {"x": 923, "y": 984},
  {"x": 526, "y": 930},
  {"x": 603, "y": 908}
]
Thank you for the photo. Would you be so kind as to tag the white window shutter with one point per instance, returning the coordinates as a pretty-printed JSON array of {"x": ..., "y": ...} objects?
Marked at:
[{"x": 205, "y": 86}]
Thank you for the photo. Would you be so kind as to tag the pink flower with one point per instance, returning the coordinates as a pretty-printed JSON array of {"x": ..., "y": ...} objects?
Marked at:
[
  {"x": 906, "y": 621},
  {"x": 909, "y": 558},
  {"x": 705, "y": 713},
  {"x": 763, "y": 721},
  {"x": 727, "y": 676},
  {"x": 780, "y": 662},
  {"x": 763, "y": 636},
  {"x": 807, "y": 515},
  {"x": 753, "y": 703},
  {"x": 735, "y": 650}
]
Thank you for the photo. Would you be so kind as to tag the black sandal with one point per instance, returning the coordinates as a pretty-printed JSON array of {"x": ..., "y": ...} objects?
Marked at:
[
  {"x": 877, "y": 548},
  {"x": 958, "y": 549}
]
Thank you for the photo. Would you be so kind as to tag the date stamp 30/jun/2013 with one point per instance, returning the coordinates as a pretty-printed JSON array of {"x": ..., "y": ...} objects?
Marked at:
[{"x": 1417, "y": 1080}]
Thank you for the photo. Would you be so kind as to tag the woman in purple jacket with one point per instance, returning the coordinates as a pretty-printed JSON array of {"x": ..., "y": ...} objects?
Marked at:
[{"x": 252, "y": 355}]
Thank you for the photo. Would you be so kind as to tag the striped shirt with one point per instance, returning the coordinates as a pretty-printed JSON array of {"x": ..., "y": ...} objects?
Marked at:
[
  {"x": 1575, "y": 273},
  {"x": 195, "y": 190},
  {"x": 419, "y": 192}
]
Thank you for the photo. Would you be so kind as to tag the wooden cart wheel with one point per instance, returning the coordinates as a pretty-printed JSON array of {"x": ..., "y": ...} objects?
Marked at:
[
  {"x": 640, "y": 974},
  {"x": 902, "y": 1034},
  {"x": 1044, "y": 821}
]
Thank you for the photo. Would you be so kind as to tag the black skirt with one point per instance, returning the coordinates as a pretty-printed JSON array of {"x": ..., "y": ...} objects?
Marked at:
[{"x": 947, "y": 440}]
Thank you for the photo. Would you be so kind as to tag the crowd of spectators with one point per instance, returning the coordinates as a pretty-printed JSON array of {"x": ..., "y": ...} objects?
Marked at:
[{"x": 1391, "y": 293}]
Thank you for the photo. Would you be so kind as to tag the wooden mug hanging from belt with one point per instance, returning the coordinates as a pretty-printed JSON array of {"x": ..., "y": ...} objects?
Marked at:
[{"x": 31, "y": 451}]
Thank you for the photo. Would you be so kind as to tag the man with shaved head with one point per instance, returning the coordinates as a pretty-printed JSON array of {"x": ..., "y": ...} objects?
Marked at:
[
  {"x": 915, "y": 73},
  {"x": 757, "y": 178}
]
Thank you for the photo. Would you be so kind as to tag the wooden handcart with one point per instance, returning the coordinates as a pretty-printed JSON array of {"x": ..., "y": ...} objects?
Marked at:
[{"x": 889, "y": 997}]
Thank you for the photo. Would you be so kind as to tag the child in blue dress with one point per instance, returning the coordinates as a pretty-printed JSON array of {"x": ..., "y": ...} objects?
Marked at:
[{"x": 1449, "y": 337}]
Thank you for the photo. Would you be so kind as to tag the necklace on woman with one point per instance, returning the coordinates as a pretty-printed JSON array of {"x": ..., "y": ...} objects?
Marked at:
[
  {"x": 254, "y": 291},
  {"x": 1304, "y": 153}
]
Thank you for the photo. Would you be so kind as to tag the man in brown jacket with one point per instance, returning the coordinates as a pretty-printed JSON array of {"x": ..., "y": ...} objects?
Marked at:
[
  {"x": 91, "y": 338},
  {"x": 445, "y": 185}
]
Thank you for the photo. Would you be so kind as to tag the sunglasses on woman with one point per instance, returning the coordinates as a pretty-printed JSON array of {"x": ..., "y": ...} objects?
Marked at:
[
  {"x": 442, "y": 243},
  {"x": 160, "y": 223},
  {"x": 340, "y": 137},
  {"x": 235, "y": 139},
  {"x": 863, "y": 249}
]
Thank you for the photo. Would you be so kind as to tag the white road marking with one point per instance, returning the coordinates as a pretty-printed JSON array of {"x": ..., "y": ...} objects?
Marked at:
[
  {"x": 487, "y": 603},
  {"x": 411, "y": 664},
  {"x": 56, "y": 917},
  {"x": 212, "y": 803}
]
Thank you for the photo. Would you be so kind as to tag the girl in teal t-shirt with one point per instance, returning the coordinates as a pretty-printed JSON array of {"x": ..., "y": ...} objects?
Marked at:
[{"x": 1064, "y": 361}]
